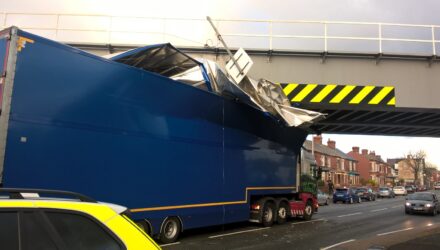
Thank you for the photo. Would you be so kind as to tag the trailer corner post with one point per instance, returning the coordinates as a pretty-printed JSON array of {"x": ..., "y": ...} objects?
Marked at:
[{"x": 7, "y": 95}]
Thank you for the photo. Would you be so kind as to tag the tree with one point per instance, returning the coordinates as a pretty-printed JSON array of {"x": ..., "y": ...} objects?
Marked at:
[
  {"x": 430, "y": 171},
  {"x": 416, "y": 161},
  {"x": 401, "y": 182},
  {"x": 373, "y": 183},
  {"x": 363, "y": 181}
]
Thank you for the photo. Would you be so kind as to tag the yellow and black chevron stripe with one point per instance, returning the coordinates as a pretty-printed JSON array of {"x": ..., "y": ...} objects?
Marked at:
[{"x": 333, "y": 94}]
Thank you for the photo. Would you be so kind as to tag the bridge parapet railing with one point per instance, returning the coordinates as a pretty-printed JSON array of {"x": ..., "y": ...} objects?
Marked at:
[{"x": 266, "y": 35}]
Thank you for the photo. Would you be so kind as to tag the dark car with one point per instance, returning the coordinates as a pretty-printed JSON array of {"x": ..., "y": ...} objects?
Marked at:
[
  {"x": 422, "y": 202},
  {"x": 346, "y": 195},
  {"x": 409, "y": 189},
  {"x": 366, "y": 193}
]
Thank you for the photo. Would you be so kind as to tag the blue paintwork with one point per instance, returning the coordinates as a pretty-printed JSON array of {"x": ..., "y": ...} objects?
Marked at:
[
  {"x": 345, "y": 194},
  {"x": 2, "y": 54},
  {"x": 131, "y": 137}
]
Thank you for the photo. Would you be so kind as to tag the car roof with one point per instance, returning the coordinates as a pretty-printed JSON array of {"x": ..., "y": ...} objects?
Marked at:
[
  {"x": 54, "y": 199},
  {"x": 102, "y": 211},
  {"x": 423, "y": 193}
]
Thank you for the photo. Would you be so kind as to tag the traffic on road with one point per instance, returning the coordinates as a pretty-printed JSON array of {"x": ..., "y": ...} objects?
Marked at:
[{"x": 338, "y": 225}]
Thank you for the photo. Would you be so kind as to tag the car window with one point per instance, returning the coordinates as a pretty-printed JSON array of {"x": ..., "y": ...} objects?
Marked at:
[
  {"x": 33, "y": 234},
  {"x": 80, "y": 232},
  {"x": 9, "y": 230},
  {"x": 421, "y": 197}
]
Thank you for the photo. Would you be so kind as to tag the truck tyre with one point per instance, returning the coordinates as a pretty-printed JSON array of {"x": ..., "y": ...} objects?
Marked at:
[
  {"x": 144, "y": 225},
  {"x": 170, "y": 230},
  {"x": 268, "y": 214},
  {"x": 282, "y": 213},
  {"x": 308, "y": 211}
]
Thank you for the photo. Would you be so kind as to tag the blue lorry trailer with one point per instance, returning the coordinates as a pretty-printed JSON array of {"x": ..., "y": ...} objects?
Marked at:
[{"x": 178, "y": 156}]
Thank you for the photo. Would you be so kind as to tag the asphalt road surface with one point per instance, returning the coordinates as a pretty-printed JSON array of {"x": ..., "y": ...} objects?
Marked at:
[{"x": 380, "y": 224}]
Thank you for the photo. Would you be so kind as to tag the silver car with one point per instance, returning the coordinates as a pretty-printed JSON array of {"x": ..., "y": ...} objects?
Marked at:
[
  {"x": 422, "y": 202},
  {"x": 323, "y": 198},
  {"x": 386, "y": 192}
]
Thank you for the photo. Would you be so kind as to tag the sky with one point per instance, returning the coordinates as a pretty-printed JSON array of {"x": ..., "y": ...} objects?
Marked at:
[
  {"x": 393, "y": 11},
  {"x": 397, "y": 11}
]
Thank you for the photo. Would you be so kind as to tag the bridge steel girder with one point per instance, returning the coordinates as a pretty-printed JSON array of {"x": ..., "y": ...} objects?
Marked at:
[{"x": 415, "y": 79}]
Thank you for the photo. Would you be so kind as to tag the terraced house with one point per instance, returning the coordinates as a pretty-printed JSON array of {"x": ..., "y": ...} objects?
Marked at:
[
  {"x": 335, "y": 164},
  {"x": 372, "y": 167}
]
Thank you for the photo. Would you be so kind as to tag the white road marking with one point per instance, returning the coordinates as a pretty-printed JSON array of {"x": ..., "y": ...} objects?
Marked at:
[
  {"x": 337, "y": 244},
  {"x": 345, "y": 215},
  {"x": 302, "y": 222},
  {"x": 401, "y": 230},
  {"x": 377, "y": 210},
  {"x": 170, "y": 244},
  {"x": 239, "y": 232}
]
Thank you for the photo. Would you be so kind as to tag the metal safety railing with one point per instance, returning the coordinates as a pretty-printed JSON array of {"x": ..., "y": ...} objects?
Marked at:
[{"x": 248, "y": 33}]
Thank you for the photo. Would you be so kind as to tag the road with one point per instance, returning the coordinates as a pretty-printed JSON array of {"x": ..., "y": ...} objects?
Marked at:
[{"x": 337, "y": 226}]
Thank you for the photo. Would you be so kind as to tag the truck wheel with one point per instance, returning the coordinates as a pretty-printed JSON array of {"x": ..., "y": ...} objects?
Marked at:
[
  {"x": 282, "y": 213},
  {"x": 308, "y": 211},
  {"x": 170, "y": 230},
  {"x": 268, "y": 214},
  {"x": 144, "y": 225}
]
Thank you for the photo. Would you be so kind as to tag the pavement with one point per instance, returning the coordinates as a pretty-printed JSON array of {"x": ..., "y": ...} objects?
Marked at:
[{"x": 380, "y": 224}]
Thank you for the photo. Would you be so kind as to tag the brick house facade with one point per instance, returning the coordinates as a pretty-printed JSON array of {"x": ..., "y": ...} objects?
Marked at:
[
  {"x": 372, "y": 167},
  {"x": 335, "y": 164}
]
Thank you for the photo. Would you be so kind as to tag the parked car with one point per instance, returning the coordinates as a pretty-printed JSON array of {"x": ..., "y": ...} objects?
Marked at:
[
  {"x": 30, "y": 221},
  {"x": 409, "y": 189},
  {"x": 421, "y": 188},
  {"x": 386, "y": 192},
  {"x": 414, "y": 187},
  {"x": 346, "y": 195},
  {"x": 366, "y": 193},
  {"x": 437, "y": 186},
  {"x": 323, "y": 198},
  {"x": 422, "y": 202},
  {"x": 400, "y": 190}
]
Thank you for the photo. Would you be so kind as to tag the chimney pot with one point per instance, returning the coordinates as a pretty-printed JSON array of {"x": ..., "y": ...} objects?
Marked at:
[
  {"x": 317, "y": 139},
  {"x": 355, "y": 150},
  {"x": 331, "y": 144}
]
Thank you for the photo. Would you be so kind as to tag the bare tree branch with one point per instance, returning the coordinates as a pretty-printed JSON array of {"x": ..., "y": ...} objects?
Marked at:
[{"x": 416, "y": 161}]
